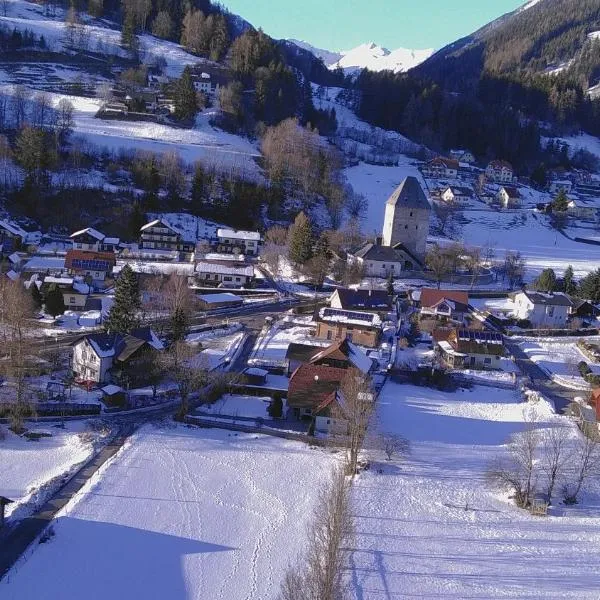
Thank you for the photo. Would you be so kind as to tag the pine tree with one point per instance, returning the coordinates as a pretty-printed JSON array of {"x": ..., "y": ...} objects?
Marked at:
[
  {"x": 179, "y": 325},
  {"x": 36, "y": 296},
  {"x": 123, "y": 316},
  {"x": 589, "y": 287},
  {"x": 54, "y": 301},
  {"x": 561, "y": 202},
  {"x": 198, "y": 192},
  {"x": 275, "y": 409},
  {"x": 300, "y": 240},
  {"x": 569, "y": 283},
  {"x": 546, "y": 282},
  {"x": 186, "y": 102}
]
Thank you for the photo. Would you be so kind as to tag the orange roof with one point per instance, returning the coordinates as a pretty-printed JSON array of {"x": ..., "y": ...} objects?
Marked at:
[
  {"x": 431, "y": 296},
  {"x": 310, "y": 385},
  {"x": 449, "y": 163}
]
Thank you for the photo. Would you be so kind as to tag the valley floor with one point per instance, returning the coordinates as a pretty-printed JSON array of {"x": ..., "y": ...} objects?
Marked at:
[
  {"x": 432, "y": 527},
  {"x": 181, "y": 513}
]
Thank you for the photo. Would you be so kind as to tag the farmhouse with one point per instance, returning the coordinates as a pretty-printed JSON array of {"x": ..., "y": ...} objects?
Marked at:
[
  {"x": 245, "y": 242},
  {"x": 543, "y": 310},
  {"x": 361, "y": 300},
  {"x": 500, "y": 171},
  {"x": 470, "y": 349},
  {"x": 383, "y": 261},
  {"x": 362, "y": 328},
  {"x": 99, "y": 356},
  {"x": 457, "y": 193},
  {"x": 508, "y": 196},
  {"x": 441, "y": 167},
  {"x": 444, "y": 304}
]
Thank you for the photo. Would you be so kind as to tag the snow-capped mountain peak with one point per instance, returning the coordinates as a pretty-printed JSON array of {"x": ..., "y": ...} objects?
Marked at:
[{"x": 370, "y": 56}]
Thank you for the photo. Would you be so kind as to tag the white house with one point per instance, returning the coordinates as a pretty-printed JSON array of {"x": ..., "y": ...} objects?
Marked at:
[
  {"x": 457, "y": 193},
  {"x": 509, "y": 196},
  {"x": 563, "y": 185},
  {"x": 463, "y": 156},
  {"x": 227, "y": 273},
  {"x": 92, "y": 240},
  {"x": 383, "y": 261},
  {"x": 247, "y": 242},
  {"x": 500, "y": 171},
  {"x": 441, "y": 167},
  {"x": 543, "y": 310}
]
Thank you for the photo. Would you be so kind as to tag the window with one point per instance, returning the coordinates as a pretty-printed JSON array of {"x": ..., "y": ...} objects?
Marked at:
[
  {"x": 406, "y": 227},
  {"x": 227, "y": 278},
  {"x": 551, "y": 311},
  {"x": 411, "y": 213},
  {"x": 328, "y": 334},
  {"x": 72, "y": 300},
  {"x": 487, "y": 361}
]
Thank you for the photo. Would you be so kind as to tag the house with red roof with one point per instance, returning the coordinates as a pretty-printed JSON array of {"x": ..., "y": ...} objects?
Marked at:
[{"x": 444, "y": 304}]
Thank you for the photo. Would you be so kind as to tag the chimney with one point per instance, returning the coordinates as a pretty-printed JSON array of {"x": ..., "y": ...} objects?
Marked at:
[{"x": 378, "y": 240}]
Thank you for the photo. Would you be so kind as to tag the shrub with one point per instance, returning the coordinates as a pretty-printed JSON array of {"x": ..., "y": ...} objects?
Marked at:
[{"x": 584, "y": 368}]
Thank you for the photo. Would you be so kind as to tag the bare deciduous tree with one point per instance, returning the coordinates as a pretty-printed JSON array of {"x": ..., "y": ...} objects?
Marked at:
[
  {"x": 555, "y": 455},
  {"x": 393, "y": 444},
  {"x": 586, "y": 462},
  {"x": 19, "y": 104}
]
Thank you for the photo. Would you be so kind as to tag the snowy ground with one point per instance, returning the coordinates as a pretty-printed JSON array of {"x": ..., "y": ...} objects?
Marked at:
[
  {"x": 27, "y": 468},
  {"x": 559, "y": 358},
  {"x": 414, "y": 538},
  {"x": 181, "y": 514},
  {"x": 233, "y": 405},
  {"x": 273, "y": 346}
]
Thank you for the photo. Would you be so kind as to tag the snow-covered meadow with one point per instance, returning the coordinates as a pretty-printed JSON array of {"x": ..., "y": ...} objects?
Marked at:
[
  {"x": 181, "y": 513},
  {"x": 433, "y": 527}
]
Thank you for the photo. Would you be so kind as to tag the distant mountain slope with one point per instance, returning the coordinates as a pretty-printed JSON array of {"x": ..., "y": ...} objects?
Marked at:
[{"x": 369, "y": 56}]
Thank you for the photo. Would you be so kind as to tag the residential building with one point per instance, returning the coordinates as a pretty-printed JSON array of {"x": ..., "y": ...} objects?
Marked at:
[
  {"x": 362, "y": 328},
  {"x": 500, "y": 171},
  {"x": 300, "y": 354},
  {"x": 92, "y": 240},
  {"x": 85, "y": 263},
  {"x": 508, "y": 196},
  {"x": 544, "y": 310},
  {"x": 444, "y": 304},
  {"x": 244, "y": 242},
  {"x": 406, "y": 220},
  {"x": 377, "y": 301},
  {"x": 456, "y": 193},
  {"x": 214, "y": 301},
  {"x": 560, "y": 185},
  {"x": 310, "y": 386},
  {"x": 584, "y": 309},
  {"x": 13, "y": 237},
  {"x": 160, "y": 235},
  {"x": 101, "y": 357},
  {"x": 463, "y": 156},
  {"x": 75, "y": 293},
  {"x": 440, "y": 168},
  {"x": 225, "y": 273},
  {"x": 470, "y": 349},
  {"x": 382, "y": 261}
]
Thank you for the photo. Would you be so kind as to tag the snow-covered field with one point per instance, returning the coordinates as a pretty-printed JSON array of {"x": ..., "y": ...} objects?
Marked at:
[
  {"x": 416, "y": 539},
  {"x": 27, "y": 467},
  {"x": 181, "y": 514},
  {"x": 233, "y": 405},
  {"x": 559, "y": 358}
]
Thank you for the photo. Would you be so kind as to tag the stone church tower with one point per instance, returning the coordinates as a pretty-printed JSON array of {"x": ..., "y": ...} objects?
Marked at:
[{"x": 406, "y": 221}]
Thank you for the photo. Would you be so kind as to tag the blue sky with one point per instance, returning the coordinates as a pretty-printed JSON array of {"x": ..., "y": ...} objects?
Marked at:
[{"x": 344, "y": 24}]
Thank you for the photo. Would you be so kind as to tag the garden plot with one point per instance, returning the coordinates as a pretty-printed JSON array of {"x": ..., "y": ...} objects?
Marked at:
[
  {"x": 28, "y": 469},
  {"x": 559, "y": 359},
  {"x": 181, "y": 513},
  {"x": 431, "y": 526}
]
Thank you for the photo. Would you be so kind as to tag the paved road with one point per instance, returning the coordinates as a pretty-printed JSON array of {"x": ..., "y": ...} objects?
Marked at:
[
  {"x": 540, "y": 380},
  {"x": 16, "y": 540}
]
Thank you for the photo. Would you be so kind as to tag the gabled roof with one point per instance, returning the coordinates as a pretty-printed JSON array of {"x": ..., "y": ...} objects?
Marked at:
[
  {"x": 310, "y": 385},
  {"x": 458, "y": 190},
  {"x": 442, "y": 161},
  {"x": 92, "y": 261},
  {"x": 500, "y": 164},
  {"x": 122, "y": 346},
  {"x": 365, "y": 320},
  {"x": 302, "y": 352},
  {"x": 511, "y": 191},
  {"x": 409, "y": 194},
  {"x": 380, "y": 253},
  {"x": 430, "y": 297},
  {"x": 363, "y": 299},
  {"x": 543, "y": 299},
  {"x": 345, "y": 351},
  {"x": 239, "y": 235},
  {"x": 89, "y": 231},
  {"x": 156, "y": 222}
]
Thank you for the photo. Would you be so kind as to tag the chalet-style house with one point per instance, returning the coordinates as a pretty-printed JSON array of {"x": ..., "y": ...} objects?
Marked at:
[
  {"x": 92, "y": 240},
  {"x": 94, "y": 265},
  {"x": 470, "y": 349},
  {"x": 452, "y": 305},
  {"x": 500, "y": 171},
  {"x": 560, "y": 185},
  {"x": 244, "y": 242},
  {"x": 225, "y": 273},
  {"x": 382, "y": 261},
  {"x": 75, "y": 294},
  {"x": 102, "y": 357},
  {"x": 160, "y": 235},
  {"x": 342, "y": 355},
  {"x": 508, "y": 196},
  {"x": 377, "y": 301},
  {"x": 463, "y": 156},
  {"x": 456, "y": 193},
  {"x": 362, "y": 328},
  {"x": 441, "y": 168},
  {"x": 544, "y": 310}
]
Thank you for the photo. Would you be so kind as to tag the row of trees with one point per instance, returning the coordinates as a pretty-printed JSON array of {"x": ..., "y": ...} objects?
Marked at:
[{"x": 587, "y": 287}]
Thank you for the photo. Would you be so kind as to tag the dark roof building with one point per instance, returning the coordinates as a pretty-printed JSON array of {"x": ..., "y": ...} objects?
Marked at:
[
  {"x": 371, "y": 300},
  {"x": 311, "y": 385},
  {"x": 409, "y": 194}
]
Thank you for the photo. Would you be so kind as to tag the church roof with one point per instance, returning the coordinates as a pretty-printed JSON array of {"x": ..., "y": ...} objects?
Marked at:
[{"x": 409, "y": 194}]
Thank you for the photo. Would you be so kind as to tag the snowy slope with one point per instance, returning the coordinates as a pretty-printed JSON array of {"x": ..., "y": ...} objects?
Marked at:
[
  {"x": 432, "y": 526},
  {"x": 181, "y": 514},
  {"x": 369, "y": 56}
]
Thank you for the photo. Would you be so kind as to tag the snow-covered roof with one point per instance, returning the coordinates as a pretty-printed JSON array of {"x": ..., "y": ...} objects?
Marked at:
[
  {"x": 221, "y": 269},
  {"x": 110, "y": 390},
  {"x": 12, "y": 275},
  {"x": 43, "y": 263},
  {"x": 448, "y": 349},
  {"x": 112, "y": 240},
  {"x": 89, "y": 231},
  {"x": 228, "y": 257},
  {"x": 59, "y": 280},
  {"x": 222, "y": 297},
  {"x": 15, "y": 257},
  {"x": 256, "y": 372},
  {"x": 349, "y": 317},
  {"x": 238, "y": 235},
  {"x": 554, "y": 299}
]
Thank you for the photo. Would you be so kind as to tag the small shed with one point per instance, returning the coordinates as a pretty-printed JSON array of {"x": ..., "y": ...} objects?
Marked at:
[
  {"x": 113, "y": 395},
  {"x": 256, "y": 376}
]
